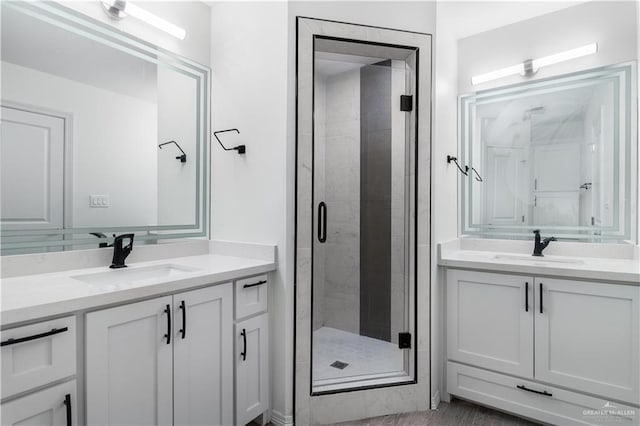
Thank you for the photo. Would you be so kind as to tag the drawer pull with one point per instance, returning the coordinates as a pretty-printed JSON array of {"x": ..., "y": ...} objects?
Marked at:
[
  {"x": 526, "y": 297},
  {"x": 67, "y": 402},
  {"x": 254, "y": 284},
  {"x": 34, "y": 337},
  {"x": 545, "y": 393},
  {"x": 541, "y": 310}
]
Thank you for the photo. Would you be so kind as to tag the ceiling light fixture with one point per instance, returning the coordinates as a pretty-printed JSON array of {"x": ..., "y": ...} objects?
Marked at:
[
  {"x": 118, "y": 9},
  {"x": 530, "y": 67}
]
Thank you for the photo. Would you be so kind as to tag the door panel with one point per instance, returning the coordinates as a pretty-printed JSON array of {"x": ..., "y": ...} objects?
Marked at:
[
  {"x": 129, "y": 365},
  {"x": 363, "y": 209},
  {"x": 203, "y": 365},
  {"x": 31, "y": 169},
  {"x": 489, "y": 322},
  {"x": 252, "y": 371},
  {"x": 580, "y": 350}
]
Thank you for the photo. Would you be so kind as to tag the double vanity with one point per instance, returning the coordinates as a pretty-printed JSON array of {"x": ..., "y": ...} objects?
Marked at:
[
  {"x": 554, "y": 338},
  {"x": 173, "y": 341}
]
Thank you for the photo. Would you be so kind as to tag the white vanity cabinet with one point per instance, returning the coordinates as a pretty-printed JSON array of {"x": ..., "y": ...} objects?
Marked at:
[
  {"x": 252, "y": 350},
  {"x": 162, "y": 361},
  {"x": 555, "y": 350}
]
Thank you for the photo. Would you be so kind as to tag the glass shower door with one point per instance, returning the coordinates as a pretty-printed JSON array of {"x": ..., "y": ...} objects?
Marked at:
[{"x": 363, "y": 251}]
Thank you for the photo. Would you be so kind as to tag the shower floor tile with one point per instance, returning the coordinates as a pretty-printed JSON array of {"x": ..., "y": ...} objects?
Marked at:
[{"x": 365, "y": 356}]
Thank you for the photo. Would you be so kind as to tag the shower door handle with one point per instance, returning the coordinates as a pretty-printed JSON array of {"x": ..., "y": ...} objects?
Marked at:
[{"x": 322, "y": 222}]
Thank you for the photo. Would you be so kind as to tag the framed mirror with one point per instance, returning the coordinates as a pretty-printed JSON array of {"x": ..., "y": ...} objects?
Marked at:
[
  {"x": 101, "y": 133},
  {"x": 557, "y": 154}
]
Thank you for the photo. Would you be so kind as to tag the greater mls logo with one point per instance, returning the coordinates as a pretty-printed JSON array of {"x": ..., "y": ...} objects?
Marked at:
[{"x": 609, "y": 411}]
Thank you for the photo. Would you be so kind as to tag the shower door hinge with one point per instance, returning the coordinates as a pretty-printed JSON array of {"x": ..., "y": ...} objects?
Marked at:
[
  {"x": 404, "y": 340},
  {"x": 406, "y": 102}
]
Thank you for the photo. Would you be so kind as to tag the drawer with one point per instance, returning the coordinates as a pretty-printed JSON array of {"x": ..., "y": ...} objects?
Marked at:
[
  {"x": 37, "y": 354},
  {"x": 559, "y": 406},
  {"x": 251, "y": 296},
  {"x": 54, "y": 406}
]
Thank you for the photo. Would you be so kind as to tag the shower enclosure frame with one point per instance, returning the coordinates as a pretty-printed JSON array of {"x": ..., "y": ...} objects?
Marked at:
[{"x": 373, "y": 400}]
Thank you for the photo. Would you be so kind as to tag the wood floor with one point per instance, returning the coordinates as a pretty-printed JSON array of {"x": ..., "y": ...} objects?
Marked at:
[{"x": 457, "y": 413}]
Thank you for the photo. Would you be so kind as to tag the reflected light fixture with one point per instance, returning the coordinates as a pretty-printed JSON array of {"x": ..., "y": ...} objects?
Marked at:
[
  {"x": 119, "y": 9},
  {"x": 531, "y": 66}
]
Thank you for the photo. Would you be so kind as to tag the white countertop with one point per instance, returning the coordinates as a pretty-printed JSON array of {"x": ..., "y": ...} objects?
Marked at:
[
  {"x": 512, "y": 257},
  {"x": 30, "y": 297}
]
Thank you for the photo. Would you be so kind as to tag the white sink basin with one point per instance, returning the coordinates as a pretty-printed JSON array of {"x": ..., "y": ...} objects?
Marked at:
[
  {"x": 536, "y": 259},
  {"x": 132, "y": 276}
]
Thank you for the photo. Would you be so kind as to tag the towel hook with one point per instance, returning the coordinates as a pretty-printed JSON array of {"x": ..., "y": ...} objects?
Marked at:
[
  {"x": 183, "y": 157},
  {"x": 451, "y": 158},
  {"x": 477, "y": 176},
  {"x": 240, "y": 148}
]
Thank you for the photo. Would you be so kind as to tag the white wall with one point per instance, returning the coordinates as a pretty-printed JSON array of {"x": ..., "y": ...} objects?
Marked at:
[{"x": 98, "y": 164}]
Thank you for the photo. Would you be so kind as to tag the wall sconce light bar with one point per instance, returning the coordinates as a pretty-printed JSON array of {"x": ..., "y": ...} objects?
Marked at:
[
  {"x": 118, "y": 9},
  {"x": 536, "y": 64}
]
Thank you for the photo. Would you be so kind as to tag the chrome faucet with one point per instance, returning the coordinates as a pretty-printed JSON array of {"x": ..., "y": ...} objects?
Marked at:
[
  {"x": 540, "y": 245},
  {"x": 121, "y": 252}
]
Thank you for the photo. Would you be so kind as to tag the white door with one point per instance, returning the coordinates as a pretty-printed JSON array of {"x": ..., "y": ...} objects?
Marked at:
[
  {"x": 588, "y": 337},
  {"x": 556, "y": 184},
  {"x": 490, "y": 321},
  {"x": 504, "y": 180},
  {"x": 129, "y": 364},
  {"x": 252, "y": 368},
  {"x": 31, "y": 170},
  {"x": 55, "y": 406},
  {"x": 203, "y": 356}
]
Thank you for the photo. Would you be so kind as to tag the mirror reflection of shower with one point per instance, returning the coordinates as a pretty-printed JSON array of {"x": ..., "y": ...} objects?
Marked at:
[{"x": 362, "y": 206}]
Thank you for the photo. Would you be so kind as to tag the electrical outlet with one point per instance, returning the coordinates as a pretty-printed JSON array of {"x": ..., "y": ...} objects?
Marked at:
[{"x": 98, "y": 201}]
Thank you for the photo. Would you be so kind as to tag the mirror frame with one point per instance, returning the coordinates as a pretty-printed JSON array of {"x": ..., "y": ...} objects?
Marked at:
[
  {"x": 83, "y": 25},
  {"x": 624, "y": 228}
]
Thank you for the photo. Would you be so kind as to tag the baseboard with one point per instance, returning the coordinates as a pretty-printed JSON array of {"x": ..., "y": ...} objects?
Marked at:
[
  {"x": 278, "y": 419},
  {"x": 435, "y": 400}
]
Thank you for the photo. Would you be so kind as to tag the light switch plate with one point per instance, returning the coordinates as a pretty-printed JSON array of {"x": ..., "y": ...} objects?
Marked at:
[{"x": 98, "y": 201}]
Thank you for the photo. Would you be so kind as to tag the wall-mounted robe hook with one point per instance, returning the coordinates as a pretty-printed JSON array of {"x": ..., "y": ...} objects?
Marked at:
[
  {"x": 464, "y": 171},
  {"x": 240, "y": 148},
  {"x": 477, "y": 176},
  {"x": 183, "y": 157}
]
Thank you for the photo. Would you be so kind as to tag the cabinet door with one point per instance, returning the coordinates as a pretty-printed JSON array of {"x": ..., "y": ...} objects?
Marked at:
[
  {"x": 252, "y": 368},
  {"x": 129, "y": 364},
  {"x": 55, "y": 406},
  {"x": 203, "y": 356},
  {"x": 587, "y": 337},
  {"x": 490, "y": 321}
]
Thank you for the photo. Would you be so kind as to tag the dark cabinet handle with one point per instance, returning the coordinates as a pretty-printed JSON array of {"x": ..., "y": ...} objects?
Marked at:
[
  {"x": 67, "y": 402},
  {"x": 526, "y": 297},
  {"x": 541, "y": 310},
  {"x": 243, "y": 354},
  {"x": 524, "y": 388},
  {"x": 255, "y": 284},
  {"x": 183, "y": 330},
  {"x": 167, "y": 310},
  {"x": 322, "y": 222},
  {"x": 34, "y": 337}
]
